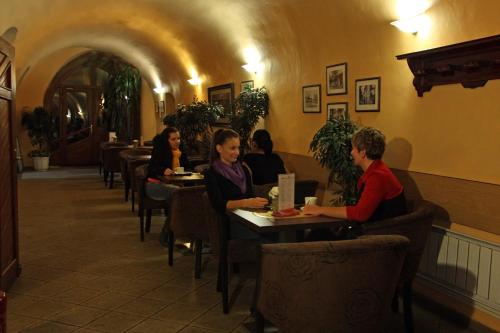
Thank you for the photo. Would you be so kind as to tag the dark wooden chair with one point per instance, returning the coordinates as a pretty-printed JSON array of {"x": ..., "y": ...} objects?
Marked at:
[
  {"x": 132, "y": 165},
  {"x": 105, "y": 145},
  {"x": 416, "y": 226},
  {"x": 228, "y": 251},
  {"x": 111, "y": 163},
  {"x": 125, "y": 156},
  {"x": 343, "y": 286},
  {"x": 3, "y": 312},
  {"x": 146, "y": 204},
  {"x": 187, "y": 221}
]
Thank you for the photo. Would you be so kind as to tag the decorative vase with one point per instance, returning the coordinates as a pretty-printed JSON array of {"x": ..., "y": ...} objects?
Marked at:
[{"x": 41, "y": 163}]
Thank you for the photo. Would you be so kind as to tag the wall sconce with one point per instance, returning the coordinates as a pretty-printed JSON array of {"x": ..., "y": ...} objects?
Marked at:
[
  {"x": 195, "y": 81},
  {"x": 255, "y": 67},
  {"x": 160, "y": 104},
  {"x": 411, "y": 24},
  {"x": 160, "y": 90}
]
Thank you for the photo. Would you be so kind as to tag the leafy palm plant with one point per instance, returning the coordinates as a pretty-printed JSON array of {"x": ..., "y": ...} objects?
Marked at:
[
  {"x": 249, "y": 107},
  {"x": 331, "y": 147},
  {"x": 42, "y": 130}
]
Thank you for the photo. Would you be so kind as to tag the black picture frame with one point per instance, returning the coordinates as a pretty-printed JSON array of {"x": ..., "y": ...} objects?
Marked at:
[
  {"x": 333, "y": 110},
  {"x": 248, "y": 84},
  {"x": 368, "y": 94},
  {"x": 311, "y": 98},
  {"x": 336, "y": 79},
  {"x": 222, "y": 95}
]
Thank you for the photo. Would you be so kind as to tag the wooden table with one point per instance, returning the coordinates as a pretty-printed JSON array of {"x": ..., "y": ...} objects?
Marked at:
[
  {"x": 193, "y": 178},
  {"x": 262, "y": 224}
]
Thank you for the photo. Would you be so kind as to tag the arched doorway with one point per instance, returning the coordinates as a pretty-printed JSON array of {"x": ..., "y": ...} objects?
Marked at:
[{"x": 75, "y": 98}]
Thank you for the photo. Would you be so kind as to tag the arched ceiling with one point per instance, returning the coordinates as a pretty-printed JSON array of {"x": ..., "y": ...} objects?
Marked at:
[{"x": 177, "y": 37}]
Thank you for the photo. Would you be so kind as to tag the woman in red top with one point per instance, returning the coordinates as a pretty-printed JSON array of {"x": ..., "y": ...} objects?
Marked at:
[{"x": 382, "y": 195}]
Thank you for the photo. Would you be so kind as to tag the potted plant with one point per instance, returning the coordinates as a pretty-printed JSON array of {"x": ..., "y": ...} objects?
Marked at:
[
  {"x": 41, "y": 130},
  {"x": 249, "y": 107},
  {"x": 195, "y": 122},
  {"x": 331, "y": 147}
]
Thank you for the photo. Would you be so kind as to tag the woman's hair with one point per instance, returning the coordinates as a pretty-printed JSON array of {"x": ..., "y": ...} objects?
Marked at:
[
  {"x": 220, "y": 136},
  {"x": 262, "y": 139},
  {"x": 371, "y": 140},
  {"x": 167, "y": 131}
]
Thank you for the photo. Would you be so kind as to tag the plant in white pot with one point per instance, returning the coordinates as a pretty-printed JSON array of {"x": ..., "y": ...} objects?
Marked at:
[{"x": 41, "y": 130}]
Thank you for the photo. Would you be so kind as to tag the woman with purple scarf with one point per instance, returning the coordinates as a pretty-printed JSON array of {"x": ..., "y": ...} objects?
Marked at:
[{"x": 228, "y": 182}]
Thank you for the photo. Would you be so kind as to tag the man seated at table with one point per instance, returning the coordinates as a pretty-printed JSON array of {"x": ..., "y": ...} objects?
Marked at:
[{"x": 381, "y": 194}]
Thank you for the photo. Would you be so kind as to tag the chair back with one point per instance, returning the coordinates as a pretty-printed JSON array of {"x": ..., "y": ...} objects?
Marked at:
[
  {"x": 186, "y": 219},
  {"x": 111, "y": 158},
  {"x": 131, "y": 166},
  {"x": 140, "y": 178},
  {"x": 342, "y": 286},
  {"x": 212, "y": 223},
  {"x": 125, "y": 157},
  {"x": 416, "y": 226}
]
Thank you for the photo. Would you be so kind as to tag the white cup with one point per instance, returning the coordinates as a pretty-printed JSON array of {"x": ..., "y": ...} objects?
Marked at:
[
  {"x": 311, "y": 200},
  {"x": 179, "y": 169}
]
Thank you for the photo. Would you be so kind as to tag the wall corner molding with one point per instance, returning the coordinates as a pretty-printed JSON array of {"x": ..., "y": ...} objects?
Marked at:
[{"x": 471, "y": 63}]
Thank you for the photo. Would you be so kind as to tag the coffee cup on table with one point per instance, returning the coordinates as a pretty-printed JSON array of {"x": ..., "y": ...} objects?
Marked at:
[
  {"x": 311, "y": 200},
  {"x": 179, "y": 170}
]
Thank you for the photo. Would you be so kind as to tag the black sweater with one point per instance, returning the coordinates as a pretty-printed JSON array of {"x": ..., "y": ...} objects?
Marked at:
[
  {"x": 265, "y": 168},
  {"x": 161, "y": 157},
  {"x": 220, "y": 189}
]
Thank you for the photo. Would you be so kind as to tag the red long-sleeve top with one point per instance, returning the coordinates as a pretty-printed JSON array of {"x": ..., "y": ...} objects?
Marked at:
[{"x": 377, "y": 183}]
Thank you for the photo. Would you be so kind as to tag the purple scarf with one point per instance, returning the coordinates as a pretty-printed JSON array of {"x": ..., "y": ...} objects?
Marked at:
[{"x": 234, "y": 173}]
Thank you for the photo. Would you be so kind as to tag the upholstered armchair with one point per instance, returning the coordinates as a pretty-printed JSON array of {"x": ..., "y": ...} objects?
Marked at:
[
  {"x": 342, "y": 286},
  {"x": 416, "y": 226}
]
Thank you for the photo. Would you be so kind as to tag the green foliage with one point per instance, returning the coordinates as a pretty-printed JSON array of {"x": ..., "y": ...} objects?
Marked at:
[
  {"x": 331, "y": 147},
  {"x": 249, "y": 106},
  {"x": 122, "y": 101},
  {"x": 195, "y": 122},
  {"x": 42, "y": 130}
]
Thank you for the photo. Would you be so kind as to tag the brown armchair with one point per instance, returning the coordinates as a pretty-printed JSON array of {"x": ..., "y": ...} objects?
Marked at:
[
  {"x": 131, "y": 166},
  {"x": 127, "y": 175},
  {"x": 146, "y": 204},
  {"x": 342, "y": 286},
  {"x": 416, "y": 226},
  {"x": 187, "y": 221}
]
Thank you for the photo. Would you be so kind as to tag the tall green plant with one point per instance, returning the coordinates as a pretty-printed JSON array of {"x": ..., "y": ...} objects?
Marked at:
[
  {"x": 195, "y": 122},
  {"x": 42, "y": 130},
  {"x": 122, "y": 100},
  {"x": 249, "y": 107},
  {"x": 331, "y": 147}
]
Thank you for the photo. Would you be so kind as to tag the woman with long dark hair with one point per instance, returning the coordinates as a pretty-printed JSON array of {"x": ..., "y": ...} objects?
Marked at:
[{"x": 265, "y": 165}]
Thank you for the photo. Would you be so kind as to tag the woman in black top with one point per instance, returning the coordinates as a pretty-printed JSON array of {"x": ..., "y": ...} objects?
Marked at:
[
  {"x": 265, "y": 164},
  {"x": 228, "y": 182}
]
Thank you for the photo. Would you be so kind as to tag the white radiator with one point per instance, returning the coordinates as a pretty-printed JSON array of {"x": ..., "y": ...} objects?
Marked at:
[{"x": 463, "y": 266}]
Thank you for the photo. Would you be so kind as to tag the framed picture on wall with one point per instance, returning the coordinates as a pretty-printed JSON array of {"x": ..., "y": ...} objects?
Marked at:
[
  {"x": 336, "y": 79},
  {"x": 311, "y": 99},
  {"x": 222, "y": 95},
  {"x": 368, "y": 95},
  {"x": 246, "y": 85},
  {"x": 336, "y": 110}
]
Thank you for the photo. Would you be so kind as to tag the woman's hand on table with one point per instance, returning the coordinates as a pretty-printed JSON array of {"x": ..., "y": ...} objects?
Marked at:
[
  {"x": 313, "y": 210},
  {"x": 256, "y": 202},
  {"x": 168, "y": 172}
]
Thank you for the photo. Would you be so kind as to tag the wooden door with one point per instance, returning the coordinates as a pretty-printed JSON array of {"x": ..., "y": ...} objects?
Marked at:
[{"x": 9, "y": 248}]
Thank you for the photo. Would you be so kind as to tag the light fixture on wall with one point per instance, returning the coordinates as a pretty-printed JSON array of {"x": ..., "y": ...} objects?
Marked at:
[
  {"x": 160, "y": 104},
  {"x": 256, "y": 67},
  {"x": 411, "y": 24},
  {"x": 194, "y": 81},
  {"x": 160, "y": 90},
  {"x": 252, "y": 58}
]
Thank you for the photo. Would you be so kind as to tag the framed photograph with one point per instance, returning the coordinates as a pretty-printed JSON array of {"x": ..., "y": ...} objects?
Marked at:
[
  {"x": 368, "y": 95},
  {"x": 222, "y": 95},
  {"x": 336, "y": 110},
  {"x": 161, "y": 107},
  {"x": 336, "y": 79},
  {"x": 311, "y": 99},
  {"x": 246, "y": 85}
]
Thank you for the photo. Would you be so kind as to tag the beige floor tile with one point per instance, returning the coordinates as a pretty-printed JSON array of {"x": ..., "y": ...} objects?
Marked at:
[
  {"x": 24, "y": 285},
  {"x": 109, "y": 300},
  {"x": 167, "y": 293},
  {"x": 49, "y": 327},
  {"x": 115, "y": 322},
  {"x": 45, "y": 309},
  {"x": 49, "y": 289},
  {"x": 216, "y": 320},
  {"x": 17, "y": 302},
  {"x": 184, "y": 313},
  {"x": 137, "y": 287},
  {"x": 78, "y": 316},
  {"x": 78, "y": 295},
  {"x": 43, "y": 273},
  {"x": 142, "y": 306},
  {"x": 157, "y": 326},
  {"x": 16, "y": 323}
]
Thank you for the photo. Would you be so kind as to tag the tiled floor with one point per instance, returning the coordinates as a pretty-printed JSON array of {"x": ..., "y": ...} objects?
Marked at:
[{"x": 85, "y": 270}]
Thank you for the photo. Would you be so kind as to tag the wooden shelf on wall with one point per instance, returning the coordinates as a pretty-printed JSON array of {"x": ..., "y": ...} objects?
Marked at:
[{"x": 471, "y": 63}]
